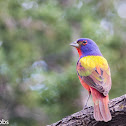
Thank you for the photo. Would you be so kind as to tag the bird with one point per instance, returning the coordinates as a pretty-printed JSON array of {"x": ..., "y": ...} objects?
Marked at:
[{"x": 95, "y": 76}]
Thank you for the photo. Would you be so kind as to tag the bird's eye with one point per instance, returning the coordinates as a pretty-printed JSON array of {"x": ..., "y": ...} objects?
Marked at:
[{"x": 85, "y": 42}]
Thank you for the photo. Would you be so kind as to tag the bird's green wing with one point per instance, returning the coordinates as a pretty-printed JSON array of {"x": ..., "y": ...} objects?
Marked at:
[{"x": 95, "y": 72}]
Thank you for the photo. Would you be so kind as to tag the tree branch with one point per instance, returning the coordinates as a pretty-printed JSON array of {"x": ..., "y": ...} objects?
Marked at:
[{"x": 85, "y": 117}]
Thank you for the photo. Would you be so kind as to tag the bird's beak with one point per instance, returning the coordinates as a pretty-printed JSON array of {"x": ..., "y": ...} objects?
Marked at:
[{"x": 74, "y": 44}]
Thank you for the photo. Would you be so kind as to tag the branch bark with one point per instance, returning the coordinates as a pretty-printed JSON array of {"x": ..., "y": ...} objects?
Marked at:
[{"x": 85, "y": 117}]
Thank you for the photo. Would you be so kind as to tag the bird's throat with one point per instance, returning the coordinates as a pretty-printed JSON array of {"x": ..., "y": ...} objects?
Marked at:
[
  {"x": 79, "y": 52},
  {"x": 88, "y": 52}
]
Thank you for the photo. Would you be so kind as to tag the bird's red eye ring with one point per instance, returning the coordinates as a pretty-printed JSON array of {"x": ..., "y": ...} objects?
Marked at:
[{"x": 85, "y": 42}]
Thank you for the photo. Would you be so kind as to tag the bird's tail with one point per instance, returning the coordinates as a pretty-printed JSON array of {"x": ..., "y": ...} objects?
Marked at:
[{"x": 101, "y": 109}]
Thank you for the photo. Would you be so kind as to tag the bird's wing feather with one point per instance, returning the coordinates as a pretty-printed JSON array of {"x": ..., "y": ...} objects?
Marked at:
[{"x": 95, "y": 72}]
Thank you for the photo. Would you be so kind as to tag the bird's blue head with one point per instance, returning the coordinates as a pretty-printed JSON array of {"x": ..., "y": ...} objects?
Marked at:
[{"x": 86, "y": 47}]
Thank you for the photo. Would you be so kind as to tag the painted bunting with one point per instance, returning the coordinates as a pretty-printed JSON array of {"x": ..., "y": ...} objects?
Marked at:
[{"x": 94, "y": 74}]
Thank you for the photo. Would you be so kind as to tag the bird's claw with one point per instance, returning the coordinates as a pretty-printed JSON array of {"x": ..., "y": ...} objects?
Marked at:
[{"x": 85, "y": 107}]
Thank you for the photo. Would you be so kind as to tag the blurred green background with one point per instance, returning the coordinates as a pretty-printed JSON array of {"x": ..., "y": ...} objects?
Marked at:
[{"x": 38, "y": 80}]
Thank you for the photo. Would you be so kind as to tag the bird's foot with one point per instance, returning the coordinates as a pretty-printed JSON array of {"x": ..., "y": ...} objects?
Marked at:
[{"x": 85, "y": 107}]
